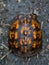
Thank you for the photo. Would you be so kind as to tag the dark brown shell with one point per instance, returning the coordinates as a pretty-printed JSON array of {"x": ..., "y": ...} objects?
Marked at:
[{"x": 25, "y": 35}]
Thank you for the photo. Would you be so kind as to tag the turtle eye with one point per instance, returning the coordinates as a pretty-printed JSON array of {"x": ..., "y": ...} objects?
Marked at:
[{"x": 26, "y": 37}]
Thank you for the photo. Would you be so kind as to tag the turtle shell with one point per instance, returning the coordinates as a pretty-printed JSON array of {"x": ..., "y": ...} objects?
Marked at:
[{"x": 25, "y": 35}]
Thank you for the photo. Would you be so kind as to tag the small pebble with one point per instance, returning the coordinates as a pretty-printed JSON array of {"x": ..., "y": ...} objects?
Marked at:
[
  {"x": 47, "y": 40},
  {"x": 48, "y": 47},
  {"x": 48, "y": 20}
]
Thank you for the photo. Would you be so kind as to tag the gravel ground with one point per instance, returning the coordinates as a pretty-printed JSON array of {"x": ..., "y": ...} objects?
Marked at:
[{"x": 9, "y": 9}]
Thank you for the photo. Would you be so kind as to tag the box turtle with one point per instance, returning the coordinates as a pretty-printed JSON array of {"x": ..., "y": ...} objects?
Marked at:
[{"x": 25, "y": 35}]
